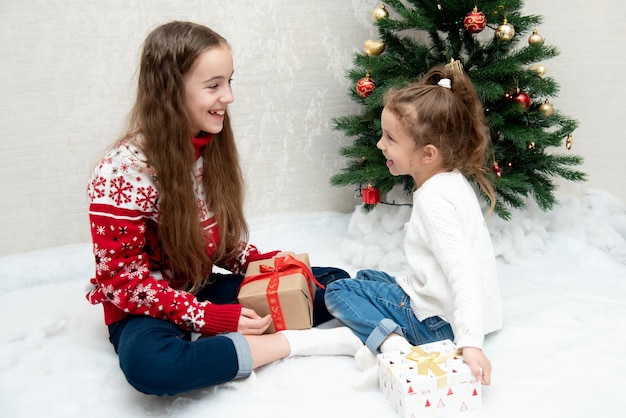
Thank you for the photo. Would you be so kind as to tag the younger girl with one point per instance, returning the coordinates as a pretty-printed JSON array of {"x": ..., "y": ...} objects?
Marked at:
[
  {"x": 435, "y": 132},
  {"x": 166, "y": 205}
]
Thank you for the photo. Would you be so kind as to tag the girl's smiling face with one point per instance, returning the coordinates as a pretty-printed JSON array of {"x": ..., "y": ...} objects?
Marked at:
[
  {"x": 208, "y": 91},
  {"x": 397, "y": 145}
]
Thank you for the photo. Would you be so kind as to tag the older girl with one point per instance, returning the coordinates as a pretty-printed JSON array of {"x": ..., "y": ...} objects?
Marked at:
[{"x": 166, "y": 205}]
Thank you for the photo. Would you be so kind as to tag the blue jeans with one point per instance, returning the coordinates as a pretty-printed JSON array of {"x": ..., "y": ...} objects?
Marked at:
[
  {"x": 159, "y": 358},
  {"x": 374, "y": 306}
]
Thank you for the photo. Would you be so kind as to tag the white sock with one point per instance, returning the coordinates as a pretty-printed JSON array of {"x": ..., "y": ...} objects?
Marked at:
[
  {"x": 339, "y": 341},
  {"x": 395, "y": 342},
  {"x": 364, "y": 359},
  {"x": 367, "y": 380}
]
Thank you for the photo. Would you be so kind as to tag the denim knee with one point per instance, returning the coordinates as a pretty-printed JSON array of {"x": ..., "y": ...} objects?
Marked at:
[{"x": 330, "y": 295}]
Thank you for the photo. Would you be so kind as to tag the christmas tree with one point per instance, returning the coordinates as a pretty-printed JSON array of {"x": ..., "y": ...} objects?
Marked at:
[{"x": 503, "y": 54}]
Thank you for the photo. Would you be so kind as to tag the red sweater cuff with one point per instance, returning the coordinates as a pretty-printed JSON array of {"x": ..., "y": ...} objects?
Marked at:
[
  {"x": 221, "y": 318},
  {"x": 218, "y": 318},
  {"x": 112, "y": 313}
]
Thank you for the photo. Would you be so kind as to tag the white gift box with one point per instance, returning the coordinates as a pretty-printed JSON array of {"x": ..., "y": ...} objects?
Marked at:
[{"x": 431, "y": 380}]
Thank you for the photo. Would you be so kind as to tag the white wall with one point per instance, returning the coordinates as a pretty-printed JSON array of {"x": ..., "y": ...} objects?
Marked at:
[
  {"x": 67, "y": 78},
  {"x": 67, "y": 81},
  {"x": 590, "y": 71}
]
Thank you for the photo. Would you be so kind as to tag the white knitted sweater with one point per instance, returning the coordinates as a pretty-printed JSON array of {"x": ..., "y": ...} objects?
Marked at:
[{"x": 449, "y": 250}]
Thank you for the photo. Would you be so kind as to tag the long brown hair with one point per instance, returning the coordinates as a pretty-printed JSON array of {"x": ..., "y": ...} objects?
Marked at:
[
  {"x": 160, "y": 126},
  {"x": 452, "y": 120}
]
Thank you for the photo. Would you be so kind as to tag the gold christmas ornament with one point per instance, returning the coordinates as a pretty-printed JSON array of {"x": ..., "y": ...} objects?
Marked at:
[
  {"x": 505, "y": 31},
  {"x": 539, "y": 69},
  {"x": 535, "y": 38},
  {"x": 374, "y": 48},
  {"x": 547, "y": 109},
  {"x": 568, "y": 142},
  {"x": 455, "y": 65},
  {"x": 380, "y": 13}
]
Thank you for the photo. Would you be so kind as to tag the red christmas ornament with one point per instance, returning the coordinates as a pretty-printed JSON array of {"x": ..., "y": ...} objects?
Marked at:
[
  {"x": 523, "y": 99},
  {"x": 365, "y": 86},
  {"x": 497, "y": 169},
  {"x": 475, "y": 21},
  {"x": 370, "y": 195}
]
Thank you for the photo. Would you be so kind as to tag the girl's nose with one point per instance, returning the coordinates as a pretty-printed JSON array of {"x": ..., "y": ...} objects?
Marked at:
[{"x": 228, "y": 96}]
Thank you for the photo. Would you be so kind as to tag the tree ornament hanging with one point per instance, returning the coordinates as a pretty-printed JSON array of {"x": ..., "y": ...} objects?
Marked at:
[
  {"x": 505, "y": 31},
  {"x": 370, "y": 195},
  {"x": 535, "y": 38},
  {"x": 547, "y": 109},
  {"x": 539, "y": 69},
  {"x": 455, "y": 65},
  {"x": 569, "y": 141},
  {"x": 475, "y": 21},
  {"x": 380, "y": 13},
  {"x": 497, "y": 169},
  {"x": 522, "y": 98},
  {"x": 374, "y": 48},
  {"x": 365, "y": 86}
]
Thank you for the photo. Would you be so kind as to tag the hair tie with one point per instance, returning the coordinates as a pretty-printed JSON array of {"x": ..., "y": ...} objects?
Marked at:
[{"x": 445, "y": 82}]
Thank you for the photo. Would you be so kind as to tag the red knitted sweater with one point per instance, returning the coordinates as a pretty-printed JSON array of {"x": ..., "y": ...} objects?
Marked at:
[{"x": 131, "y": 277}]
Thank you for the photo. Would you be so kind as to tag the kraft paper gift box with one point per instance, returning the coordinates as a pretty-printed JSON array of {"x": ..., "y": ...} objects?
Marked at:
[
  {"x": 430, "y": 380},
  {"x": 283, "y": 287}
]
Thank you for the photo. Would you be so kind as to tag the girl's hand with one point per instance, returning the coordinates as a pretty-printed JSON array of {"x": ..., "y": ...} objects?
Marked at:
[
  {"x": 251, "y": 323},
  {"x": 478, "y": 363}
]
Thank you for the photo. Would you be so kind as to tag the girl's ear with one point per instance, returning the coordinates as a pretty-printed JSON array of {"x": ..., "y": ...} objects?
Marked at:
[{"x": 429, "y": 153}]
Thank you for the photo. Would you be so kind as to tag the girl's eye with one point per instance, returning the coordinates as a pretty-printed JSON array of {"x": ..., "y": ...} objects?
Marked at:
[{"x": 216, "y": 86}]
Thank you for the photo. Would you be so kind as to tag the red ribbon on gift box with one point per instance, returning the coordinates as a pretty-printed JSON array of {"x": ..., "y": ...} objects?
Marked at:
[{"x": 282, "y": 266}]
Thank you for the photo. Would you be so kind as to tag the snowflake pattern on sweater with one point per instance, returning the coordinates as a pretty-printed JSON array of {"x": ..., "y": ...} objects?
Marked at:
[{"x": 131, "y": 274}]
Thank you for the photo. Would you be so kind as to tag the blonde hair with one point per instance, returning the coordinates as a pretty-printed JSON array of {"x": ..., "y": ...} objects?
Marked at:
[
  {"x": 160, "y": 119},
  {"x": 452, "y": 119}
]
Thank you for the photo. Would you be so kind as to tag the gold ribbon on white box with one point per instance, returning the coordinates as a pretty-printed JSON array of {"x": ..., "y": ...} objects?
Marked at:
[{"x": 430, "y": 361}]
